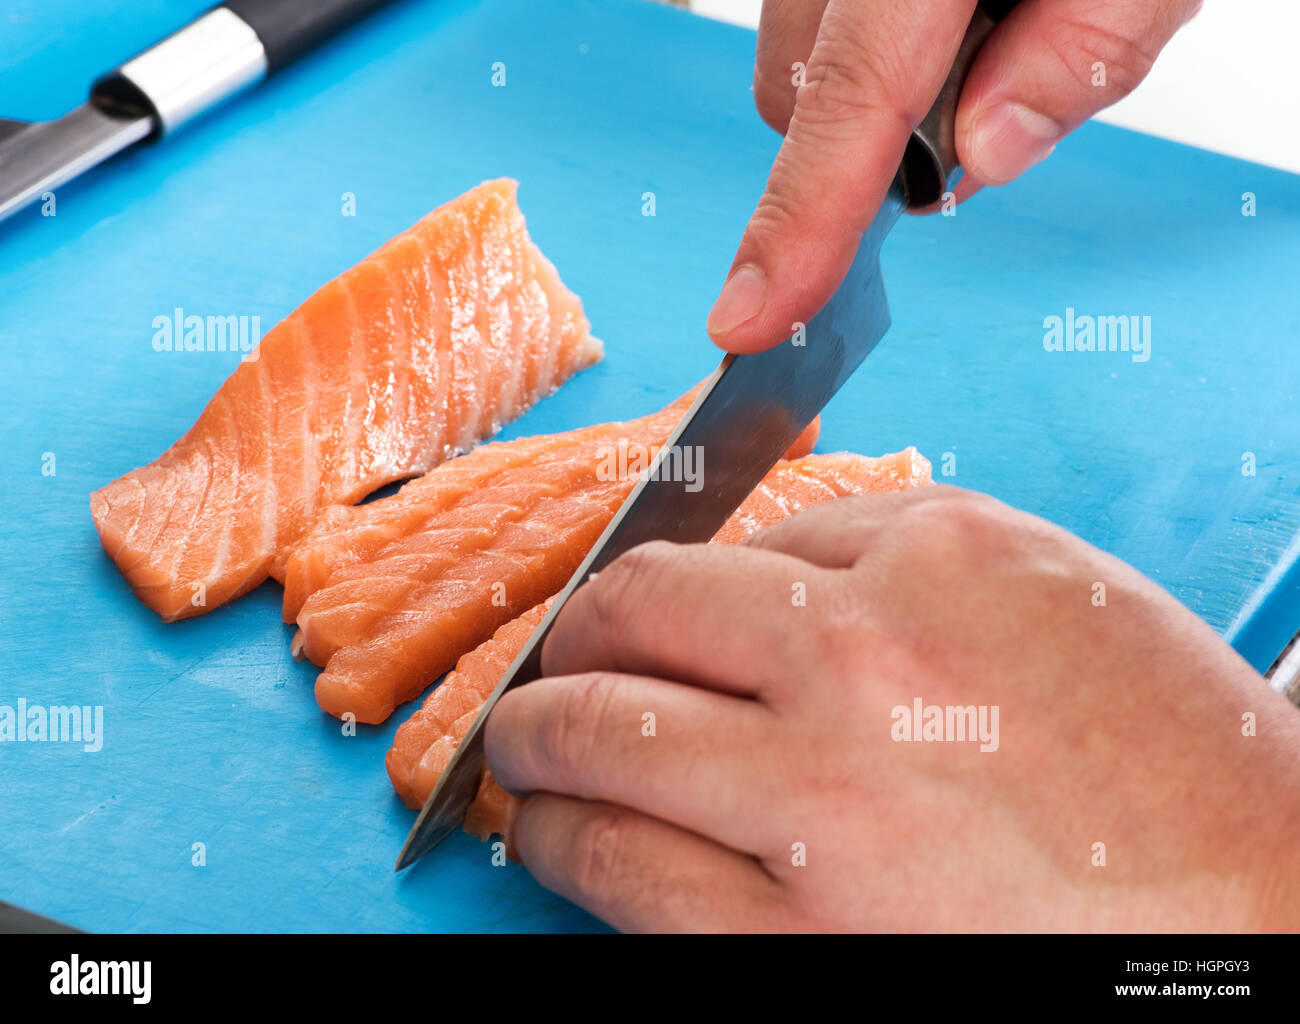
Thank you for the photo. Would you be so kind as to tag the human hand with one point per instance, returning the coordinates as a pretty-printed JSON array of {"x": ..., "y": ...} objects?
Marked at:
[
  {"x": 872, "y": 72},
  {"x": 1119, "y": 724}
]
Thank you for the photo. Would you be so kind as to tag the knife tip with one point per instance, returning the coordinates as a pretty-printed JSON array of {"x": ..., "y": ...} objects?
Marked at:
[{"x": 423, "y": 838}]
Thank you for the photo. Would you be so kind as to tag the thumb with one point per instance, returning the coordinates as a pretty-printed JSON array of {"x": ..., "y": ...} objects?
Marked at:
[
  {"x": 1049, "y": 67},
  {"x": 872, "y": 76}
]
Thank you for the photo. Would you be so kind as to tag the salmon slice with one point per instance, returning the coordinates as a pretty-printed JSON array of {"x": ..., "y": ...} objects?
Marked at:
[
  {"x": 424, "y": 744},
  {"x": 389, "y": 595},
  {"x": 476, "y": 483},
  {"x": 423, "y": 348},
  {"x": 343, "y": 537}
]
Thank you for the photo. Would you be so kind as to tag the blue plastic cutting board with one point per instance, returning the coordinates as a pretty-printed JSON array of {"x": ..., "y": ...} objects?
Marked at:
[{"x": 211, "y": 732}]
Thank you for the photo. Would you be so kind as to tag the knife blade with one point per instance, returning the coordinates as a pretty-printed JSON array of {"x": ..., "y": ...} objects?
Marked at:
[
  {"x": 40, "y": 157},
  {"x": 228, "y": 49},
  {"x": 747, "y": 414}
]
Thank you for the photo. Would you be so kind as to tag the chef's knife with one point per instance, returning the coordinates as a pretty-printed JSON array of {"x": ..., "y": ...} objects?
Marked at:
[
  {"x": 228, "y": 49},
  {"x": 746, "y": 416}
]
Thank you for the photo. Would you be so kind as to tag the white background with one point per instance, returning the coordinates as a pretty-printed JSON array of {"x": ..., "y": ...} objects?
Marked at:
[{"x": 1227, "y": 81}]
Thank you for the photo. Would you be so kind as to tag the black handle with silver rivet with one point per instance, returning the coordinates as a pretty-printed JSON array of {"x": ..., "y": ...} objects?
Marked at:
[{"x": 221, "y": 52}]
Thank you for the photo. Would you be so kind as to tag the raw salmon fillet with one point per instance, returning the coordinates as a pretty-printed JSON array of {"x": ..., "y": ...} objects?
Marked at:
[
  {"x": 424, "y": 744},
  {"x": 423, "y": 348},
  {"x": 388, "y": 595}
]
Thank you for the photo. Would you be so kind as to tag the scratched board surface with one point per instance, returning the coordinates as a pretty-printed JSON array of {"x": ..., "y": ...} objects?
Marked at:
[{"x": 211, "y": 735}]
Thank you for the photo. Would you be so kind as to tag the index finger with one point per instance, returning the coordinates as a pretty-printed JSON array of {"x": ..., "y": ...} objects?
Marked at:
[
  {"x": 872, "y": 77},
  {"x": 672, "y": 611}
]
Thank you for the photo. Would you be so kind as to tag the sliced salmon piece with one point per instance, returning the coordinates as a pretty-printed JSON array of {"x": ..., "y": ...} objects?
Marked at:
[
  {"x": 424, "y": 744},
  {"x": 399, "y": 589},
  {"x": 478, "y": 485},
  {"x": 347, "y": 536},
  {"x": 423, "y": 348}
]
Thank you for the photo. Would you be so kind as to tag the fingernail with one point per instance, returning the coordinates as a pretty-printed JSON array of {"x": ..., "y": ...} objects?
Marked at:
[
  {"x": 1008, "y": 139},
  {"x": 742, "y": 298}
]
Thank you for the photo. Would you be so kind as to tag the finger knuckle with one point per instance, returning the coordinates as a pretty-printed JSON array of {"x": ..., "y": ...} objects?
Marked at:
[
  {"x": 777, "y": 212},
  {"x": 574, "y": 730},
  {"x": 841, "y": 91},
  {"x": 597, "y": 848},
  {"x": 850, "y": 74},
  {"x": 843, "y": 626},
  {"x": 966, "y": 516},
  {"x": 1082, "y": 45},
  {"x": 622, "y": 593}
]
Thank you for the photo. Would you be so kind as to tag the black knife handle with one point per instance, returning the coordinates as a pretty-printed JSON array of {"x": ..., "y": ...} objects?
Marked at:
[
  {"x": 225, "y": 49},
  {"x": 998, "y": 9},
  {"x": 289, "y": 28},
  {"x": 930, "y": 166}
]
